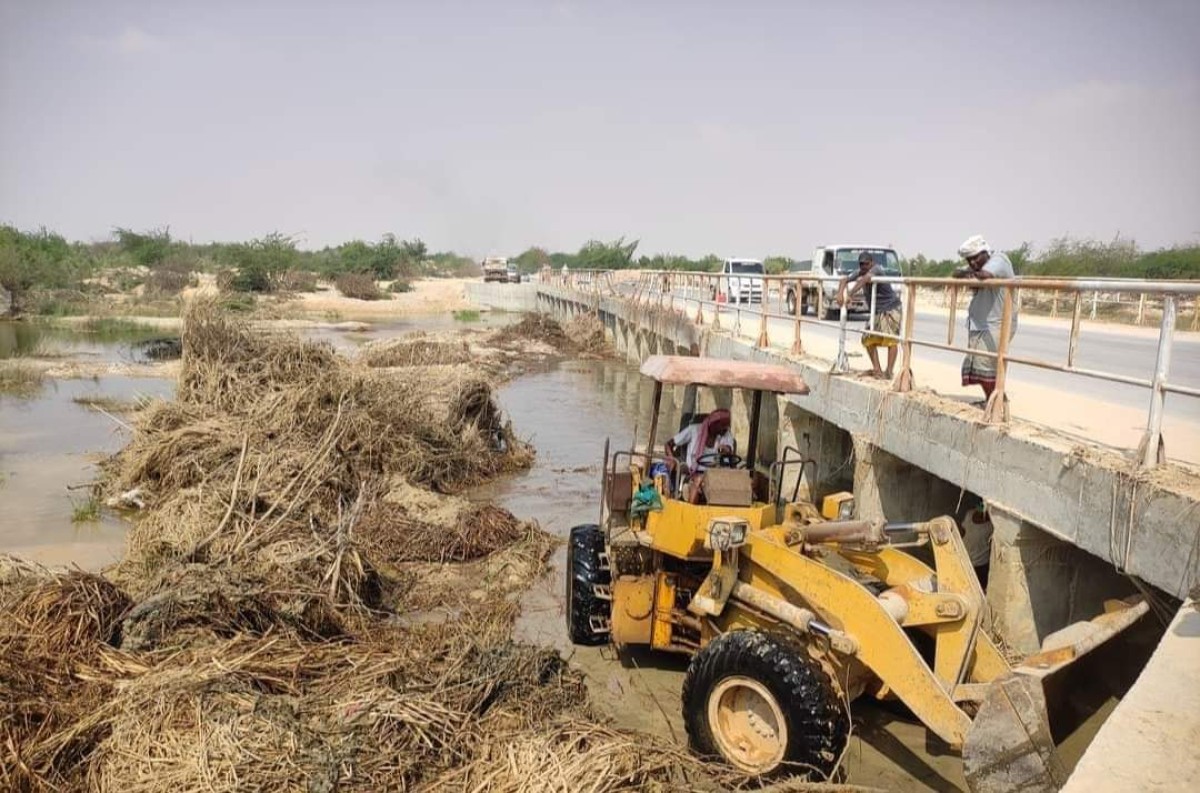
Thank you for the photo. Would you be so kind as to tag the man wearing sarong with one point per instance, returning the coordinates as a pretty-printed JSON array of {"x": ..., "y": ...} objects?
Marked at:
[
  {"x": 985, "y": 312},
  {"x": 887, "y": 312}
]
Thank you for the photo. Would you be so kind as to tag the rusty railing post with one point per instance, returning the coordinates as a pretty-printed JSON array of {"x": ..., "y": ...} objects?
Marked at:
[
  {"x": 953, "y": 313},
  {"x": 996, "y": 409},
  {"x": 1073, "y": 339},
  {"x": 762, "y": 340},
  {"x": 716, "y": 293},
  {"x": 1152, "y": 449},
  {"x": 904, "y": 378},
  {"x": 797, "y": 347}
]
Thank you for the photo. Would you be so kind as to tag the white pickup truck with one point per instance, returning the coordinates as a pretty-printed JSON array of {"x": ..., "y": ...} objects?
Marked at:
[
  {"x": 741, "y": 281},
  {"x": 495, "y": 268},
  {"x": 837, "y": 260}
]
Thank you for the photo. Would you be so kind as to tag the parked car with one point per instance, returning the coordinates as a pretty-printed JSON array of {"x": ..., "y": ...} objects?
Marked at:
[
  {"x": 838, "y": 260},
  {"x": 742, "y": 281},
  {"x": 514, "y": 275},
  {"x": 804, "y": 266}
]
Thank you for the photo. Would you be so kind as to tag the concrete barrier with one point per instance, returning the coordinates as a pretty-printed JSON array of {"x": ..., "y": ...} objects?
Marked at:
[{"x": 503, "y": 297}]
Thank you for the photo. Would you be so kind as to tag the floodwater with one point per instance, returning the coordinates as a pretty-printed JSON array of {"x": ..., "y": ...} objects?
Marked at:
[
  {"x": 49, "y": 447},
  {"x": 115, "y": 344}
]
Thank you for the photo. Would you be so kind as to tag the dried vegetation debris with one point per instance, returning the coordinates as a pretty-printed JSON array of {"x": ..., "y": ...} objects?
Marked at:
[
  {"x": 266, "y": 630},
  {"x": 582, "y": 335}
]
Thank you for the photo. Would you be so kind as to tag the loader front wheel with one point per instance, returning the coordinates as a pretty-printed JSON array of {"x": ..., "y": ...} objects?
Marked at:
[
  {"x": 760, "y": 703},
  {"x": 585, "y": 609}
]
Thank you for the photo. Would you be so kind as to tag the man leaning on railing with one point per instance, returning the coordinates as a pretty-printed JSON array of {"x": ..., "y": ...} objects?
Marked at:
[
  {"x": 887, "y": 312},
  {"x": 986, "y": 312}
]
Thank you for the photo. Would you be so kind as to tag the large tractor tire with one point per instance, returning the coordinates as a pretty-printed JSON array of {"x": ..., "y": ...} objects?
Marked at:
[
  {"x": 759, "y": 702},
  {"x": 790, "y": 301},
  {"x": 584, "y": 572}
]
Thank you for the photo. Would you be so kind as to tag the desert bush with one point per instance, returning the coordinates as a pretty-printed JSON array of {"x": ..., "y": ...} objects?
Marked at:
[
  {"x": 261, "y": 262},
  {"x": 170, "y": 277},
  {"x": 400, "y": 285},
  {"x": 298, "y": 281},
  {"x": 358, "y": 286}
]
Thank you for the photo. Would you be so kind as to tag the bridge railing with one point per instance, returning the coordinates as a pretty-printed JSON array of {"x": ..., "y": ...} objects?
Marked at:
[{"x": 716, "y": 294}]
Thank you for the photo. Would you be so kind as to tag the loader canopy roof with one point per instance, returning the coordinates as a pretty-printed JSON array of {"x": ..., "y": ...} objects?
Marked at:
[{"x": 721, "y": 373}]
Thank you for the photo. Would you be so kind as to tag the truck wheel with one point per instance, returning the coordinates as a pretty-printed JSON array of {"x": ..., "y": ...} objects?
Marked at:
[
  {"x": 583, "y": 574},
  {"x": 761, "y": 704},
  {"x": 791, "y": 302}
]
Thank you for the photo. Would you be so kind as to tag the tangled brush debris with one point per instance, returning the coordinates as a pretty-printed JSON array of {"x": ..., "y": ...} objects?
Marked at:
[{"x": 304, "y": 605}]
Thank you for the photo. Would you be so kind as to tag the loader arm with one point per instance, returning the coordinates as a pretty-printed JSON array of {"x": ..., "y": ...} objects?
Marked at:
[{"x": 882, "y": 646}]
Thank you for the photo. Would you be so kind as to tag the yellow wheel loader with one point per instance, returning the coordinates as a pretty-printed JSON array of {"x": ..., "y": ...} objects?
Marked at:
[{"x": 790, "y": 612}]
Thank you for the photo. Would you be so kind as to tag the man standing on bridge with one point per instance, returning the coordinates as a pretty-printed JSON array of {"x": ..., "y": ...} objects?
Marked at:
[
  {"x": 887, "y": 313},
  {"x": 985, "y": 312}
]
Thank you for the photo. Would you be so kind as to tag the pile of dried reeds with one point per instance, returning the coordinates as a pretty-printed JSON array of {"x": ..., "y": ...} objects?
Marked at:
[
  {"x": 265, "y": 460},
  {"x": 586, "y": 334},
  {"x": 395, "y": 536},
  {"x": 245, "y": 643},
  {"x": 534, "y": 327},
  {"x": 54, "y": 625},
  {"x": 415, "y": 352}
]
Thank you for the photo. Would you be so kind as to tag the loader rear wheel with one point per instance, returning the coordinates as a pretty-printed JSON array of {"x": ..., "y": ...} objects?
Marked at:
[
  {"x": 760, "y": 703},
  {"x": 584, "y": 573}
]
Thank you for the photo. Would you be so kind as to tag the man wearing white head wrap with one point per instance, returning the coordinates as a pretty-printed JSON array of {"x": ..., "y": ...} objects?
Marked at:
[{"x": 986, "y": 310}]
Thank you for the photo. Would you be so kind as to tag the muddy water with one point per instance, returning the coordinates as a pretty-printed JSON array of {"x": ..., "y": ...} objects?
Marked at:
[
  {"x": 49, "y": 446},
  {"x": 568, "y": 411}
]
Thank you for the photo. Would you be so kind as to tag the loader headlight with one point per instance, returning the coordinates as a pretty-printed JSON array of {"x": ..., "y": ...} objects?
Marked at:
[
  {"x": 726, "y": 533},
  {"x": 838, "y": 506}
]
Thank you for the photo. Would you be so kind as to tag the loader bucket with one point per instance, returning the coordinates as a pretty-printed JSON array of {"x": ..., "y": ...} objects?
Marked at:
[{"x": 1010, "y": 745}]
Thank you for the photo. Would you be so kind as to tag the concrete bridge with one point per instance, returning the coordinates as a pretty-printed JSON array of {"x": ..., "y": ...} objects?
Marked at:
[{"x": 1074, "y": 524}]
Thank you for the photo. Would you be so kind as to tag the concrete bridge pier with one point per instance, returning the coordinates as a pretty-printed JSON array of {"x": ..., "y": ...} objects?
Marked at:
[{"x": 1039, "y": 584}]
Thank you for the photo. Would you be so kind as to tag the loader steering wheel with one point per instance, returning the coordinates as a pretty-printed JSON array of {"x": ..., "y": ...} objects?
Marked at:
[{"x": 719, "y": 460}]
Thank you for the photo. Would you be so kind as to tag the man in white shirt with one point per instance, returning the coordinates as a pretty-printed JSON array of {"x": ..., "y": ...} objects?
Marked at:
[
  {"x": 710, "y": 436},
  {"x": 985, "y": 312}
]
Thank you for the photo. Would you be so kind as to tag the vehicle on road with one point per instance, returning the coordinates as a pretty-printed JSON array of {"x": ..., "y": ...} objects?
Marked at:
[
  {"x": 789, "y": 612},
  {"x": 837, "y": 261},
  {"x": 514, "y": 275},
  {"x": 742, "y": 281},
  {"x": 495, "y": 268}
]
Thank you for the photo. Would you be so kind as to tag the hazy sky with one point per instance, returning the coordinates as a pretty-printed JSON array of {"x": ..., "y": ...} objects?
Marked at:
[{"x": 737, "y": 128}]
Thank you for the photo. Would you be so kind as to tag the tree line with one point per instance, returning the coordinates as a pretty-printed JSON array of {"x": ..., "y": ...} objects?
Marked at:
[{"x": 44, "y": 261}]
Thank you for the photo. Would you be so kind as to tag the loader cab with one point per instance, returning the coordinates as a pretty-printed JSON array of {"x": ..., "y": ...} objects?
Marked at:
[{"x": 688, "y": 495}]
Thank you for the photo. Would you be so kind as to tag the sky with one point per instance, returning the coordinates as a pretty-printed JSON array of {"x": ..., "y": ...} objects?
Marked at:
[{"x": 741, "y": 129}]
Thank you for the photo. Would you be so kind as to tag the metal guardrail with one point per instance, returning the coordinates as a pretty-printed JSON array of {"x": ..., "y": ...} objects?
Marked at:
[{"x": 709, "y": 291}]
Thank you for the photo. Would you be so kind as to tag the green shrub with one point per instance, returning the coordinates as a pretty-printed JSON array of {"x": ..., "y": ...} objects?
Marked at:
[
  {"x": 358, "y": 286},
  {"x": 467, "y": 315},
  {"x": 261, "y": 262},
  {"x": 400, "y": 285},
  {"x": 147, "y": 249}
]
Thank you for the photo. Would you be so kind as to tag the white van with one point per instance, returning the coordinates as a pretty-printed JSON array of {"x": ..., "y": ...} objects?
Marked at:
[{"x": 742, "y": 280}]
